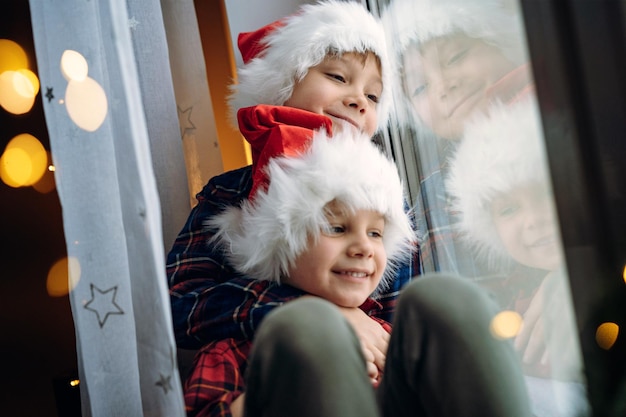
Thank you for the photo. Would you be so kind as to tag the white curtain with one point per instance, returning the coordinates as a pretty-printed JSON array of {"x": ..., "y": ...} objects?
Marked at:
[{"x": 116, "y": 184}]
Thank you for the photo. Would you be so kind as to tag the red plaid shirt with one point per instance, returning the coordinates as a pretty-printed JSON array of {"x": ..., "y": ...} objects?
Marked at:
[{"x": 217, "y": 376}]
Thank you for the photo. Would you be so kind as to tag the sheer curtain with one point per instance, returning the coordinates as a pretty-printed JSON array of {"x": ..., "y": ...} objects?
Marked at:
[{"x": 122, "y": 185}]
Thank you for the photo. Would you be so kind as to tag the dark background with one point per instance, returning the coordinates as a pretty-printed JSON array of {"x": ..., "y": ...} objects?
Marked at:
[{"x": 38, "y": 348}]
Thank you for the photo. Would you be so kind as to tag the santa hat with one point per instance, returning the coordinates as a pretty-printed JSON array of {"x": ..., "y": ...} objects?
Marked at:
[
  {"x": 497, "y": 153},
  {"x": 281, "y": 53},
  {"x": 263, "y": 237},
  {"x": 414, "y": 22}
]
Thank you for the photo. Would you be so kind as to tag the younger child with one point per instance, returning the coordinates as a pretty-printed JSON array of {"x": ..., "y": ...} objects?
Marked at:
[{"x": 501, "y": 186}]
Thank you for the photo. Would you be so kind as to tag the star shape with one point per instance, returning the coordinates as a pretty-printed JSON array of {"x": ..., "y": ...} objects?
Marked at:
[
  {"x": 133, "y": 23},
  {"x": 165, "y": 382},
  {"x": 103, "y": 303},
  {"x": 184, "y": 120},
  {"x": 49, "y": 94}
]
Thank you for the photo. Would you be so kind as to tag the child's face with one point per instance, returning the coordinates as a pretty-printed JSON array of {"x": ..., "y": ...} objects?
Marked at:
[
  {"x": 525, "y": 221},
  {"x": 347, "y": 263},
  {"x": 448, "y": 80},
  {"x": 345, "y": 88}
]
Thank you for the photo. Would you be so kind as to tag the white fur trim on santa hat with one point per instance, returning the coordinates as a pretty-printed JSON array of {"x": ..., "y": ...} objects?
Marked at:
[
  {"x": 262, "y": 239},
  {"x": 497, "y": 153},
  {"x": 303, "y": 42},
  {"x": 414, "y": 22}
]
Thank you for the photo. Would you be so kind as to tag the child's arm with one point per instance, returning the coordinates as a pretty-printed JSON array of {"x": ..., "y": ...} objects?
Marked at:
[
  {"x": 215, "y": 385},
  {"x": 207, "y": 298}
]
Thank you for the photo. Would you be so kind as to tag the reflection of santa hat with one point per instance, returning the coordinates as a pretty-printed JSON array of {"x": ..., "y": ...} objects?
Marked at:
[
  {"x": 413, "y": 22},
  {"x": 418, "y": 21},
  {"x": 264, "y": 237},
  {"x": 497, "y": 153},
  {"x": 278, "y": 55}
]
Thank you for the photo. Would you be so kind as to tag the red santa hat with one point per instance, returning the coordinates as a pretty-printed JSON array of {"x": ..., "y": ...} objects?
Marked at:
[
  {"x": 497, "y": 153},
  {"x": 281, "y": 53},
  {"x": 414, "y": 22},
  {"x": 263, "y": 237}
]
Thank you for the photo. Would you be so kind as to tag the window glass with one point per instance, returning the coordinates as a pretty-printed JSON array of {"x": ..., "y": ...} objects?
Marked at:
[{"x": 469, "y": 136}]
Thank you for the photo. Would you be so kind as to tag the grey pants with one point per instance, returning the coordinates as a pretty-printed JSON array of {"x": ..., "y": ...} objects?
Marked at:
[{"x": 442, "y": 360}]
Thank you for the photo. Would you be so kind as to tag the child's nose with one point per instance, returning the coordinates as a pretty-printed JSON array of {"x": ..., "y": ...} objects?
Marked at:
[
  {"x": 356, "y": 101},
  {"x": 361, "y": 246}
]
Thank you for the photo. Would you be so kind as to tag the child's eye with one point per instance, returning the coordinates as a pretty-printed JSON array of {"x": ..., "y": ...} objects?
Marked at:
[
  {"x": 334, "y": 229},
  {"x": 376, "y": 234},
  {"x": 373, "y": 98},
  {"x": 458, "y": 56},
  {"x": 337, "y": 77},
  {"x": 419, "y": 90},
  {"x": 508, "y": 210}
]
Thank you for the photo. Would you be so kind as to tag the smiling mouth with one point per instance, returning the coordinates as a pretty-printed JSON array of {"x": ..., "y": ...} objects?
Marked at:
[
  {"x": 354, "y": 274},
  {"x": 467, "y": 98},
  {"x": 345, "y": 119},
  {"x": 543, "y": 242}
]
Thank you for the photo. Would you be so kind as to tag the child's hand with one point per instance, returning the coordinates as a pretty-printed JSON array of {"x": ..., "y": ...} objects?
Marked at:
[{"x": 374, "y": 339}]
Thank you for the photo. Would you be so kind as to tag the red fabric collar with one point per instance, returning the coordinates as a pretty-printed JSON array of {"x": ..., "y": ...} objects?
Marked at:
[{"x": 275, "y": 131}]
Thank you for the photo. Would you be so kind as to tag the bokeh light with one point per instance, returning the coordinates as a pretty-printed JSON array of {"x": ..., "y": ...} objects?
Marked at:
[
  {"x": 86, "y": 103},
  {"x": 23, "y": 162},
  {"x": 506, "y": 324},
  {"x": 18, "y": 90},
  {"x": 12, "y": 56},
  {"x": 74, "y": 66},
  {"x": 63, "y": 277},
  {"x": 606, "y": 335}
]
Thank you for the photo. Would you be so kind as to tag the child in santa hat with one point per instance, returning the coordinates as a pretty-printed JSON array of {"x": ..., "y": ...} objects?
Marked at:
[
  {"x": 454, "y": 57},
  {"x": 501, "y": 188},
  {"x": 330, "y": 222}
]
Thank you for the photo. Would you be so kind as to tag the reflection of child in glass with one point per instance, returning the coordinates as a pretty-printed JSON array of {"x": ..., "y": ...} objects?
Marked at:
[
  {"x": 330, "y": 223},
  {"x": 501, "y": 187},
  {"x": 320, "y": 68},
  {"x": 455, "y": 57}
]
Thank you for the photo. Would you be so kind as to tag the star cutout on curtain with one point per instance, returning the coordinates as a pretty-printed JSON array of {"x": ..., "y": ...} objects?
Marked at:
[
  {"x": 184, "y": 120},
  {"x": 49, "y": 94},
  {"x": 133, "y": 23},
  {"x": 165, "y": 382},
  {"x": 103, "y": 303}
]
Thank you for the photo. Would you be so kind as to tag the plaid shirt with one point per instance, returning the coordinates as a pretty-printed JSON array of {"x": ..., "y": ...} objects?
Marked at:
[
  {"x": 209, "y": 300},
  {"x": 217, "y": 376}
]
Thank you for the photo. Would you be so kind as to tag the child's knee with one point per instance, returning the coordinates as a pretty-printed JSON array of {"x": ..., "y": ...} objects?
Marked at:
[{"x": 446, "y": 297}]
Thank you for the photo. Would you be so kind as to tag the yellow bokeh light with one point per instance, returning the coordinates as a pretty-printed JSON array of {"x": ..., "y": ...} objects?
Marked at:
[
  {"x": 86, "y": 103},
  {"x": 624, "y": 275},
  {"x": 26, "y": 83},
  {"x": 23, "y": 162},
  {"x": 12, "y": 56},
  {"x": 17, "y": 91},
  {"x": 606, "y": 335},
  {"x": 74, "y": 66},
  {"x": 63, "y": 277},
  {"x": 506, "y": 324}
]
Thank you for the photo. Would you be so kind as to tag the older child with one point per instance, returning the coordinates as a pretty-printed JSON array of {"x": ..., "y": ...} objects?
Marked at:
[
  {"x": 320, "y": 45},
  {"x": 501, "y": 188},
  {"x": 455, "y": 57},
  {"x": 331, "y": 224}
]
